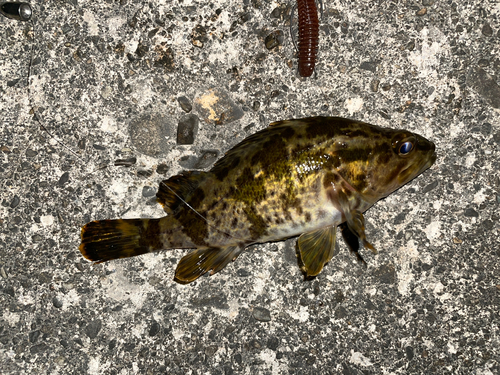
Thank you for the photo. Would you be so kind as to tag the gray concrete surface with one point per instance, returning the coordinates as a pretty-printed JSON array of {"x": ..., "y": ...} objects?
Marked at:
[{"x": 105, "y": 81}]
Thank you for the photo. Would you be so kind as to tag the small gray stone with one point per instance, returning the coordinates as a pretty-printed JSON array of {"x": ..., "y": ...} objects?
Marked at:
[
  {"x": 487, "y": 30},
  {"x": 187, "y": 129},
  {"x": 15, "y": 202},
  {"x": 369, "y": 65},
  {"x": 148, "y": 191},
  {"x": 93, "y": 328},
  {"x": 261, "y": 314},
  {"x": 63, "y": 179},
  {"x": 162, "y": 168},
  {"x": 185, "y": 104},
  {"x": 57, "y": 303},
  {"x": 470, "y": 212},
  {"x": 154, "y": 329}
]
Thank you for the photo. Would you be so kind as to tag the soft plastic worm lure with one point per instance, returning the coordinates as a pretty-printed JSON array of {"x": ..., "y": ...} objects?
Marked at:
[{"x": 308, "y": 36}]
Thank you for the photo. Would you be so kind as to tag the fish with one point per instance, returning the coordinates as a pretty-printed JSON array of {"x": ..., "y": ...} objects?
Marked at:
[{"x": 299, "y": 177}]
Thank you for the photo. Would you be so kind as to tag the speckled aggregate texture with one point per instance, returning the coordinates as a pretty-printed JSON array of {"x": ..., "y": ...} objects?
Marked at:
[{"x": 92, "y": 130}]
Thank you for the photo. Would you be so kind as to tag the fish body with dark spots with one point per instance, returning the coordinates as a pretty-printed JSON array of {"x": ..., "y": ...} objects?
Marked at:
[{"x": 297, "y": 177}]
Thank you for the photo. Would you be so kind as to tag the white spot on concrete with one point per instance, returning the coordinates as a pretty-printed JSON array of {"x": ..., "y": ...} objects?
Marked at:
[
  {"x": 302, "y": 315},
  {"x": 11, "y": 318},
  {"x": 427, "y": 59},
  {"x": 452, "y": 349},
  {"x": 108, "y": 124},
  {"x": 407, "y": 255},
  {"x": 93, "y": 366},
  {"x": 90, "y": 19},
  {"x": 354, "y": 105},
  {"x": 433, "y": 230},
  {"x": 469, "y": 160},
  {"x": 479, "y": 197},
  {"x": 47, "y": 220},
  {"x": 359, "y": 359},
  {"x": 69, "y": 299}
]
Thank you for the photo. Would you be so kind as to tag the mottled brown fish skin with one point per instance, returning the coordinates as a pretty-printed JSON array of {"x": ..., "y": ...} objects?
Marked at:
[{"x": 294, "y": 177}]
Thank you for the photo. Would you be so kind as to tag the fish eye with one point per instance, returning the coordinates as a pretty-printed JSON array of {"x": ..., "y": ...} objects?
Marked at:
[{"x": 405, "y": 148}]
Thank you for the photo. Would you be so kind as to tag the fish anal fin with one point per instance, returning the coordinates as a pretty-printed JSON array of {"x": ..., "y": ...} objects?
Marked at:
[
  {"x": 317, "y": 248},
  {"x": 177, "y": 188},
  {"x": 200, "y": 261}
]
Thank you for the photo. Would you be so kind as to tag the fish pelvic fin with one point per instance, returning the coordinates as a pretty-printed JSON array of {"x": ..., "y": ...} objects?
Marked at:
[
  {"x": 317, "y": 248},
  {"x": 105, "y": 240},
  {"x": 175, "y": 191},
  {"x": 200, "y": 261}
]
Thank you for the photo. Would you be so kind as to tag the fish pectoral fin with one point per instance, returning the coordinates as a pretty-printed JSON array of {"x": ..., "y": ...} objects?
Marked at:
[
  {"x": 317, "y": 248},
  {"x": 356, "y": 223},
  {"x": 198, "y": 262},
  {"x": 354, "y": 218}
]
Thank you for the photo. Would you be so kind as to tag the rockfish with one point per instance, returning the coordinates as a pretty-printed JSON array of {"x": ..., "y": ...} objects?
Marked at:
[{"x": 296, "y": 177}]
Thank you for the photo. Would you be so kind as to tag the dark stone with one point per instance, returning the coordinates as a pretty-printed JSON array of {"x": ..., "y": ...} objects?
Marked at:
[
  {"x": 187, "y": 128},
  {"x": 369, "y": 65},
  {"x": 429, "y": 187},
  {"x": 470, "y": 212},
  {"x": 33, "y": 336},
  {"x": 93, "y": 328},
  {"x": 15, "y": 202},
  {"x": 273, "y": 343},
  {"x": 57, "y": 303},
  {"x": 487, "y": 30},
  {"x": 63, "y": 179},
  {"x": 148, "y": 191},
  {"x": 241, "y": 272},
  {"x": 154, "y": 329},
  {"x": 409, "y": 353},
  {"x": 162, "y": 169},
  {"x": 261, "y": 314},
  {"x": 185, "y": 104},
  {"x": 341, "y": 313}
]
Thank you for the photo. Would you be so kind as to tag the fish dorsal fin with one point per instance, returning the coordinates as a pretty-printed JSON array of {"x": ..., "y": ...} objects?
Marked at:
[
  {"x": 198, "y": 262},
  {"x": 175, "y": 191},
  {"x": 317, "y": 248}
]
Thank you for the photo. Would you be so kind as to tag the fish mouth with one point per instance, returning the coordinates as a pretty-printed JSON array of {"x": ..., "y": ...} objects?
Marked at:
[{"x": 412, "y": 171}]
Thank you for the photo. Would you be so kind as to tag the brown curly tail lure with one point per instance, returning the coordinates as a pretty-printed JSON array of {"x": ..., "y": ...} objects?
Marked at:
[{"x": 308, "y": 36}]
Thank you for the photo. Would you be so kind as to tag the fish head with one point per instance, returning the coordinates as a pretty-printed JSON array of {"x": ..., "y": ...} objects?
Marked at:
[{"x": 386, "y": 160}]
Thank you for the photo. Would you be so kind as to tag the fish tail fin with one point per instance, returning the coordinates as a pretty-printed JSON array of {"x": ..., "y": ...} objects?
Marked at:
[
  {"x": 105, "y": 240},
  {"x": 175, "y": 191}
]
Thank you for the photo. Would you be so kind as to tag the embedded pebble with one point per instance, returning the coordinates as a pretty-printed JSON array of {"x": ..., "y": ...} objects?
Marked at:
[
  {"x": 216, "y": 107},
  {"x": 187, "y": 128},
  {"x": 261, "y": 314},
  {"x": 185, "y": 104}
]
